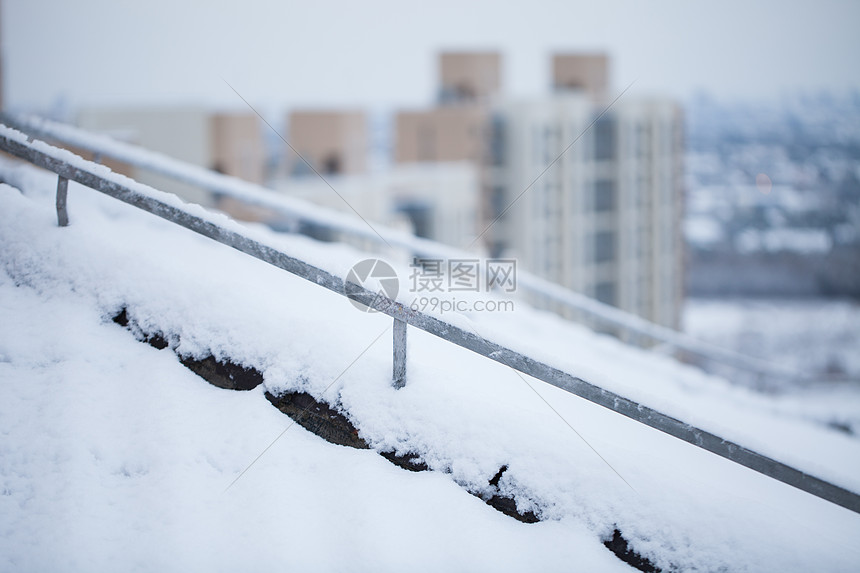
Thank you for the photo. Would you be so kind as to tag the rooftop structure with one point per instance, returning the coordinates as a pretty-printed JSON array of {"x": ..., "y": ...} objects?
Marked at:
[
  {"x": 581, "y": 72},
  {"x": 469, "y": 77},
  {"x": 334, "y": 142}
]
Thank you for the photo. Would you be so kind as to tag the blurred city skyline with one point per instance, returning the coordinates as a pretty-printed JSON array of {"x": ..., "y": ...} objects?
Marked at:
[{"x": 382, "y": 55}]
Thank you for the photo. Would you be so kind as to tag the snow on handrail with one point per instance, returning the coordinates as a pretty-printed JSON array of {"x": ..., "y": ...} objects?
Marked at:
[
  {"x": 71, "y": 167},
  {"x": 347, "y": 225}
]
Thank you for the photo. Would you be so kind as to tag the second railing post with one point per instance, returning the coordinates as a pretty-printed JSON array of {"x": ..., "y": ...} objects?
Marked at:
[
  {"x": 399, "y": 379},
  {"x": 62, "y": 211}
]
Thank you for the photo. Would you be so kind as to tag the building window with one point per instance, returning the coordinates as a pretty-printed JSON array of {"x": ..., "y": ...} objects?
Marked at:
[
  {"x": 331, "y": 164},
  {"x": 497, "y": 201},
  {"x": 497, "y": 140},
  {"x": 605, "y": 292},
  {"x": 547, "y": 145},
  {"x": 604, "y": 195},
  {"x": 604, "y": 246},
  {"x": 604, "y": 139},
  {"x": 420, "y": 214}
]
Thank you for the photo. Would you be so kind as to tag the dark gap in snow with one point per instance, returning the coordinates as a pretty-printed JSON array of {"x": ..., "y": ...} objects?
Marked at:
[
  {"x": 121, "y": 318},
  {"x": 508, "y": 506},
  {"x": 494, "y": 481},
  {"x": 227, "y": 375},
  {"x": 503, "y": 503},
  {"x": 410, "y": 462},
  {"x": 156, "y": 341},
  {"x": 318, "y": 418},
  {"x": 621, "y": 548},
  {"x": 223, "y": 374}
]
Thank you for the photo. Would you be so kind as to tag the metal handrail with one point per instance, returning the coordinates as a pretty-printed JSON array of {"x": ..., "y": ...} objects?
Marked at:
[
  {"x": 71, "y": 167},
  {"x": 346, "y": 226}
]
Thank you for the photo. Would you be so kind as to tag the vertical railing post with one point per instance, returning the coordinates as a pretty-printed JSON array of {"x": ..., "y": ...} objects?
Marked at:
[
  {"x": 399, "y": 353},
  {"x": 62, "y": 192}
]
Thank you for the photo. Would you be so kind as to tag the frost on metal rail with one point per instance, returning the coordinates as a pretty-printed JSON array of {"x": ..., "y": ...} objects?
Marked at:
[
  {"x": 345, "y": 226},
  {"x": 71, "y": 167}
]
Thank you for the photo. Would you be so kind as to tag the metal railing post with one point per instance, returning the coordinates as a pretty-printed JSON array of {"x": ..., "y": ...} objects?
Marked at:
[
  {"x": 62, "y": 193},
  {"x": 399, "y": 380}
]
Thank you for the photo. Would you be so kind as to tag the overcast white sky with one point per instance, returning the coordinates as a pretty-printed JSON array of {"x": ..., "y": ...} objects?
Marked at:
[{"x": 381, "y": 53}]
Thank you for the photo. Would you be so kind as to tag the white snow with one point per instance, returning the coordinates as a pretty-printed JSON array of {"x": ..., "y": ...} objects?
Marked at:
[
  {"x": 814, "y": 336},
  {"x": 114, "y": 456},
  {"x": 703, "y": 230},
  {"x": 818, "y": 337},
  {"x": 805, "y": 241}
]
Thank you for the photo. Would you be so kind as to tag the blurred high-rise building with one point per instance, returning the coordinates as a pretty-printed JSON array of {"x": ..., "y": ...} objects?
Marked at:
[
  {"x": 237, "y": 146},
  {"x": 584, "y": 194},
  {"x": 579, "y": 72},
  {"x": 435, "y": 201},
  {"x": 334, "y": 142},
  {"x": 448, "y": 133},
  {"x": 459, "y": 128},
  {"x": 469, "y": 77},
  {"x": 227, "y": 142},
  {"x": 605, "y": 219}
]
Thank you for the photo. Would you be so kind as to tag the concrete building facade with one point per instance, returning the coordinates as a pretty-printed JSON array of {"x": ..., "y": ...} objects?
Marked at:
[
  {"x": 450, "y": 133},
  {"x": 474, "y": 77},
  {"x": 605, "y": 220},
  {"x": 332, "y": 141},
  {"x": 237, "y": 146},
  {"x": 436, "y": 201},
  {"x": 460, "y": 128},
  {"x": 588, "y": 73}
]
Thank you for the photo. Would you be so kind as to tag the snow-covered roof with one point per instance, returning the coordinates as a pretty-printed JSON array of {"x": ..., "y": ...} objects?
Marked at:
[{"x": 116, "y": 456}]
